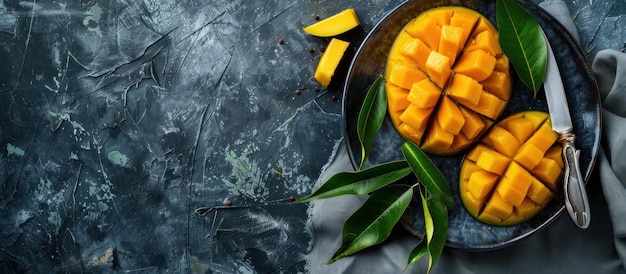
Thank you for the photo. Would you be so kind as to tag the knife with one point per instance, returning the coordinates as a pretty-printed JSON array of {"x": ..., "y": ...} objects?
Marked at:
[{"x": 573, "y": 182}]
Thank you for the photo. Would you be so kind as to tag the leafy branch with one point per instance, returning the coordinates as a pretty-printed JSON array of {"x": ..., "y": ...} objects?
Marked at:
[{"x": 388, "y": 199}]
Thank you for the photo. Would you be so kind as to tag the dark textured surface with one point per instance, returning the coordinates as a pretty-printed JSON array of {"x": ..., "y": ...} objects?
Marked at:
[{"x": 125, "y": 127}]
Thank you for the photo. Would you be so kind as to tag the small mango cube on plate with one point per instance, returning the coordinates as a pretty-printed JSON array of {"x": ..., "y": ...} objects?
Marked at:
[
  {"x": 493, "y": 161},
  {"x": 528, "y": 156},
  {"x": 481, "y": 183},
  {"x": 465, "y": 90},
  {"x": 424, "y": 94},
  {"x": 450, "y": 41},
  {"x": 438, "y": 68},
  {"x": 503, "y": 141},
  {"x": 404, "y": 76},
  {"x": 416, "y": 117},
  {"x": 477, "y": 64},
  {"x": 486, "y": 41},
  {"x": 450, "y": 117},
  {"x": 397, "y": 98},
  {"x": 474, "y": 124},
  {"x": 521, "y": 128},
  {"x": 417, "y": 51},
  {"x": 426, "y": 29}
]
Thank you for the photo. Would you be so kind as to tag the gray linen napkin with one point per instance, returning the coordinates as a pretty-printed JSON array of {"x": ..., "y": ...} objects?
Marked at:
[
  {"x": 559, "y": 248},
  {"x": 610, "y": 69}
]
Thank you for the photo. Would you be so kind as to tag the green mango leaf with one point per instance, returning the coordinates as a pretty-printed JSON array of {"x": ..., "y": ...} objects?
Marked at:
[
  {"x": 436, "y": 221},
  {"x": 418, "y": 252},
  {"x": 371, "y": 116},
  {"x": 360, "y": 182},
  {"x": 428, "y": 173},
  {"x": 373, "y": 222},
  {"x": 523, "y": 43}
]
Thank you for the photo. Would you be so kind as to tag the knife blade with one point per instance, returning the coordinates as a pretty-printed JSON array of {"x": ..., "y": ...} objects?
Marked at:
[{"x": 576, "y": 200}]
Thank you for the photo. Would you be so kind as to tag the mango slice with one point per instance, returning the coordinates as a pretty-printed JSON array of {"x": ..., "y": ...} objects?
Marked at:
[
  {"x": 334, "y": 25},
  {"x": 507, "y": 179},
  {"x": 449, "y": 64},
  {"x": 330, "y": 60}
]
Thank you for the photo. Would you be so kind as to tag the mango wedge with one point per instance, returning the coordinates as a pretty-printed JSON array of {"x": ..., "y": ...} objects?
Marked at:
[
  {"x": 334, "y": 25},
  {"x": 330, "y": 60},
  {"x": 507, "y": 179}
]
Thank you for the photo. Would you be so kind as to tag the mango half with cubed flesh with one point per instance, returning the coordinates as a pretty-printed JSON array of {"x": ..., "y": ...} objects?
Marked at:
[
  {"x": 447, "y": 79},
  {"x": 514, "y": 172}
]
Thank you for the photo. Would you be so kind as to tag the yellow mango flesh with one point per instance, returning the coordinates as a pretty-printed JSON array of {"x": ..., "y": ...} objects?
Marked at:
[
  {"x": 330, "y": 60},
  {"x": 334, "y": 25},
  {"x": 449, "y": 64},
  {"x": 507, "y": 179}
]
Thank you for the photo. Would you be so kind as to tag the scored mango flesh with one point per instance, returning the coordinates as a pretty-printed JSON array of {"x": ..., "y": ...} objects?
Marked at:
[
  {"x": 447, "y": 79},
  {"x": 514, "y": 172}
]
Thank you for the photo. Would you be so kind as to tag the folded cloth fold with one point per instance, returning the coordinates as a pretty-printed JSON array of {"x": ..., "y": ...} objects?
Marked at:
[{"x": 610, "y": 69}]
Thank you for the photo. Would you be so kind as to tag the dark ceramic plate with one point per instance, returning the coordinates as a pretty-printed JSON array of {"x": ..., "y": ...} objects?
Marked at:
[{"x": 583, "y": 97}]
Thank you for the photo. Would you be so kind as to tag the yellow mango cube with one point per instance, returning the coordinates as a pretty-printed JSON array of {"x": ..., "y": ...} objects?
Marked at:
[
  {"x": 437, "y": 139},
  {"x": 468, "y": 170},
  {"x": 424, "y": 94},
  {"x": 441, "y": 16},
  {"x": 539, "y": 193},
  {"x": 489, "y": 105},
  {"x": 474, "y": 125},
  {"x": 528, "y": 156},
  {"x": 460, "y": 142},
  {"x": 492, "y": 161},
  {"x": 397, "y": 98},
  {"x": 450, "y": 41},
  {"x": 410, "y": 133},
  {"x": 426, "y": 29},
  {"x": 472, "y": 204},
  {"x": 555, "y": 153},
  {"x": 416, "y": 117},
  {"x": 476, "y": 64},
  {"x": 509, "y": 192},
  {"x": 503, "y": 141},
  {"x": 449, "y": 116},
  {"x": 482, "y": 25},
  {"x": 498, "y": 207},
  {"x": 543, "y": 138},
  {"x": 466, "y": 21},
  {"x": 486, "y": 41},
  {"x": 404, "y": 76},
  {"x": 438, "y": 68},
  {"x": 481, "y": 183},
  {"x": 536, "y": 117},
  {"x": 499, "y": 84},
  {"x": 465, "y": 90},
  {"x": 475, "y": 153},
  {"x": 524, "y": 211},
  {"x": 549, "y": 172},
  {"x": 519, "y": 177},
  {"x": 521, "y": 128},
  {"x": 417, "y": 51},
  {"x": 502, "y": 63}
]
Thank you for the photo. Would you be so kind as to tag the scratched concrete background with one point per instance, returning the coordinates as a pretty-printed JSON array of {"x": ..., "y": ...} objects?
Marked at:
[{"x": 128, "y": 127}]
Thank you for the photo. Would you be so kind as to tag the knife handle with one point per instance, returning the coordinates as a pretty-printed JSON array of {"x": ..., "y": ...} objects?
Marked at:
[{"x": 574, "y": 185}]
